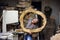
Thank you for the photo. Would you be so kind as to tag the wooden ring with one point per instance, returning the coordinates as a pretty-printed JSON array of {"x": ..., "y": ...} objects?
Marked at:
[{"x": 35, "y": 12}]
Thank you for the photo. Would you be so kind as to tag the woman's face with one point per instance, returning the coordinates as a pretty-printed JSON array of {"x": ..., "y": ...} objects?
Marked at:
[{"x": 35, "y": 20}]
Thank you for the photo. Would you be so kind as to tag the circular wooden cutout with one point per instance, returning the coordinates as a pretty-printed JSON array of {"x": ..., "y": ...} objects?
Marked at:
[{"x": 35, "y": 12}]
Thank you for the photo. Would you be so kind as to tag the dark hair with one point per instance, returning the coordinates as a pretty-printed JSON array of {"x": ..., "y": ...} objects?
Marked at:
[{"x": 48, "y": 11}]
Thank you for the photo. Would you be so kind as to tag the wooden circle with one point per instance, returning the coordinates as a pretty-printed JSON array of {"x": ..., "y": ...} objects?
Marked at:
[{"x": 35, "y": 12}]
